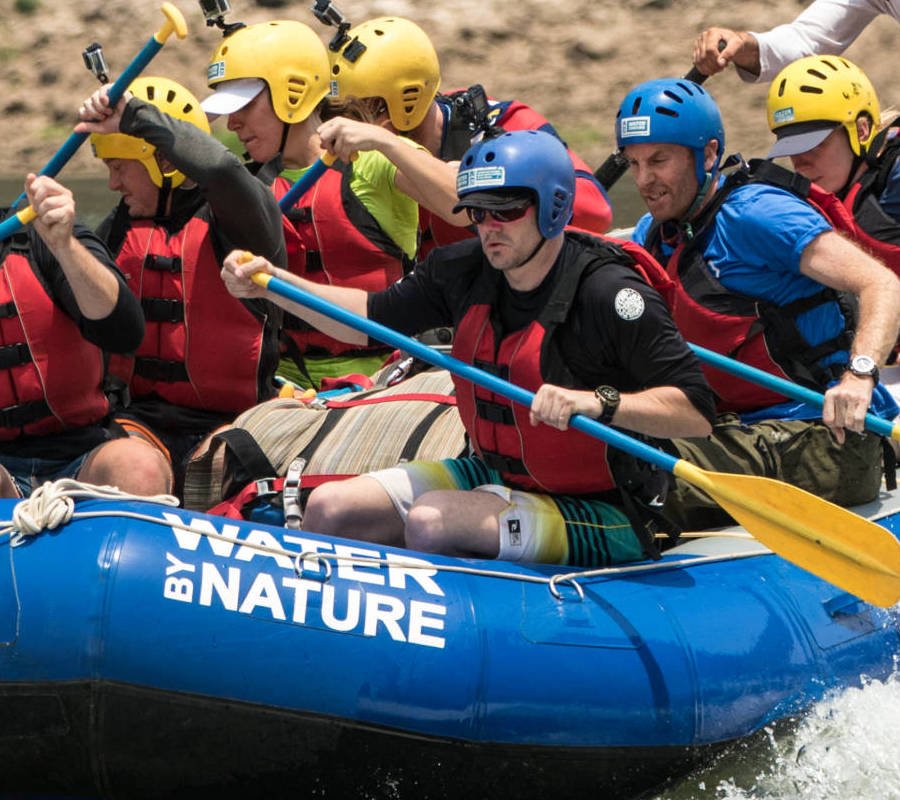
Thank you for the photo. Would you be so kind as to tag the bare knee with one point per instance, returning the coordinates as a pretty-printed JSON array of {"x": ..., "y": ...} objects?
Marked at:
[
  {"x": 326, "y": 508},
  {"x": 132, "y": 465},
  {"x": 425, "y": 528}
]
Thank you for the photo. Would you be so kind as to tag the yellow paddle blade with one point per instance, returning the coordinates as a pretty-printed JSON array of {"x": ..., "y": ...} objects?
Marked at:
[{"x": 829, "y": 541}]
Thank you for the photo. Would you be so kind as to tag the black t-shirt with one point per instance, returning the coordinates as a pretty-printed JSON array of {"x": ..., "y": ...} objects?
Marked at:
[{"x": 618, "y": 331}]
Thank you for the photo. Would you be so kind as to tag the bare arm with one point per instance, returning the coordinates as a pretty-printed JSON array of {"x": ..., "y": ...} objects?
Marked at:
[
  {"x": 237, "y": 272},
  {"x": 420, "y": 175},
  {"x": 662, "y": 411},
  {"x": 741, "y": 49},
  {"x": 94, "y": 287},
  {"x": 835, "y": 261}
]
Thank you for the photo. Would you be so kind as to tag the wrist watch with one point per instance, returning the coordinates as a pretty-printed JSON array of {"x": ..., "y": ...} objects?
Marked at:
[
  {"x": 864, "y": 367},
  {"x": 610, "y": 398}
]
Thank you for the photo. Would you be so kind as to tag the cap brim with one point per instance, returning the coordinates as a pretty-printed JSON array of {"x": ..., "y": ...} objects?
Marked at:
[
  {"x": 496, "y": 201},
  {"x": 231, "y": 96},
  {"x": 801, "y": 141}
]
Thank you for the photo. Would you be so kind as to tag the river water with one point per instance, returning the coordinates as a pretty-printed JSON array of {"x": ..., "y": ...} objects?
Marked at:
[{"x": 846, "y": 748}]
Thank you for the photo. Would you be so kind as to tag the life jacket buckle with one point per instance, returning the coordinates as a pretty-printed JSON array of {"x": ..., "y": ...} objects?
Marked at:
[{"x": 293, "y": 514}]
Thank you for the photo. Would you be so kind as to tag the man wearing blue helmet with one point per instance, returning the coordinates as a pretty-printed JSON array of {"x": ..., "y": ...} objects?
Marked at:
[
  {"x": 761, "y": 275},
  {"x": 563, "y": 314}
]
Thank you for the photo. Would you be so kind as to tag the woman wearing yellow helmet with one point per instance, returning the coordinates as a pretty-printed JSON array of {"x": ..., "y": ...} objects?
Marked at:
[
  {"x": 186, "y": 202},
  {"x": 356, "y": 226},
  {"x": 825, "y": 115}
]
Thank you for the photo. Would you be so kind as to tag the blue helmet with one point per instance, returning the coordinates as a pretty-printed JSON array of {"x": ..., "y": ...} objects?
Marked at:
[
  {"x": 534, "y": 161},
  {"x": 672, "y": 111}
]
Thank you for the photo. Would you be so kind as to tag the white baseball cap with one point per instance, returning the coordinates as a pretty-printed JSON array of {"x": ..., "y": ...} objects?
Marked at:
[{"x": 231, "y": 96}]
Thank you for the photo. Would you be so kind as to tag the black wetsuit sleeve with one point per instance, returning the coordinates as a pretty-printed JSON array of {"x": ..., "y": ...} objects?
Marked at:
[
  {"x": 623, "y": 335},
  {"x": 119, "y": 332},
  {"x": 245, "y": 212}
]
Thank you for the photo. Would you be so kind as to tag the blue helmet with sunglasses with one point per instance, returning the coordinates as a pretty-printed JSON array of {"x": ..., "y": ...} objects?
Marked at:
[
  {"x": 515, "y": 169},
  {"x": 672, "y": 111}
]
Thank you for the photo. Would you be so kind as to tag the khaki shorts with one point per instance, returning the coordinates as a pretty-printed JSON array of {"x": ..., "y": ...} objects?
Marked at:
[{"x": 803, "y": 453}]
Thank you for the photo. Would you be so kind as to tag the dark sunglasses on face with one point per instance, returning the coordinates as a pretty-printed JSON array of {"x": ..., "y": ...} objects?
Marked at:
[{"x": 479, "y": 215}]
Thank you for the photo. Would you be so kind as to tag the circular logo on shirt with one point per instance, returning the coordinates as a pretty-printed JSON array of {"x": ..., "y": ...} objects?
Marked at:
[{"x": 629, "y": 304}]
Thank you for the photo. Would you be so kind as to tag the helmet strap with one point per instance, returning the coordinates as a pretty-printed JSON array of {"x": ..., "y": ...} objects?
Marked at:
[
  {"x": 284, "y": 135},
  {"x": 533, "y": 253},
  {"x": 685, "y": 222},
  {"x": 162, "y": 197},
  {"x": 858, "y": 160}
]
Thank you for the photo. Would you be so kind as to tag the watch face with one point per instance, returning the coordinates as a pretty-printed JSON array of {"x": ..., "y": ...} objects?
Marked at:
[{"x": 862, "y": 365}]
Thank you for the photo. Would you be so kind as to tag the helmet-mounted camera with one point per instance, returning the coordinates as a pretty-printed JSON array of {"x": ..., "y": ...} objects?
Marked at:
[{"x": 214, "y": 12}]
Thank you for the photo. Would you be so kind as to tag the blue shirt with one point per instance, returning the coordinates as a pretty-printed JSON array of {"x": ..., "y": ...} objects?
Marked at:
[{"x": 753, "y": 247}]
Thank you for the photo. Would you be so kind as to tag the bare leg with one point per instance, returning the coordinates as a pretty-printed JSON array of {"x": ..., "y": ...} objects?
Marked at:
[
  {"x": 131, "y": 464},
  {"x": 358, "y": 508},
  {"x": 8, "y": 486},
  {"x": 456, "y": 523}
]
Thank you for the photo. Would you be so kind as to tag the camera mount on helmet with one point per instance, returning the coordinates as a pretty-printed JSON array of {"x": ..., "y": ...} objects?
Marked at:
[
  {"x": 95, "y": 62},
  {"x": 214, "y": 12},
  {"x": 328, "y": 14}
]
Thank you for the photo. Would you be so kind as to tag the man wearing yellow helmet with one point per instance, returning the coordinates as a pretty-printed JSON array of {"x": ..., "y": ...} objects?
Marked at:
[
  {"x": 357, "y": 226},
  {"x": 393, "y": 59},
  {"x": 826, "y": 27},
  {"x": 63, "y": 303},
  {"x": 186, "y": 201}
]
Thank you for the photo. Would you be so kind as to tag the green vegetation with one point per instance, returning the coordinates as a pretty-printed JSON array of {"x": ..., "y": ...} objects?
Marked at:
[
  {"x": 229, "y": 139},
  {"x": 26, "y": 6},
  {"x": 8, "y": 54}
]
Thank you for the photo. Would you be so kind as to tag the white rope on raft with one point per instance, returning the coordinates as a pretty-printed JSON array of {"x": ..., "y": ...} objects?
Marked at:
[{"x": 53, "y": 505}]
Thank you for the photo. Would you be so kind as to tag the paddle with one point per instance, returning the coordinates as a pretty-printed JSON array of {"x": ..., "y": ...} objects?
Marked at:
[
  {"x": 316, "y": 170},
  {"x": 174, "y": 24},
  {"x": 837, "y": 545},
  {"x": 789, "y": 389},
  {"x": 615, "y": 165}
]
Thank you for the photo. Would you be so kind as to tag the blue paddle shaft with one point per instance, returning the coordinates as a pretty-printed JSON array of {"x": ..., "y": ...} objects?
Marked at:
[
  {"x": 75, "y": 140},
  {"x": 484, "y": 379},
  {"x": 315, "y": 171},
  {"x": 776, "y": 384}
]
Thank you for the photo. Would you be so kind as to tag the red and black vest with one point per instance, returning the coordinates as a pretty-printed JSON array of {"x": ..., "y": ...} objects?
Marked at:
[
  {"x": 592, "y": 211},
  {"x": 874, "y": 229},
  {"x": 332, "y": 238},
  {"x": 537, "y": 458},
  {"x": 755, "y": 332},
  {"x": 50, "y": 378},
  {"x": 202, "y": 347}
]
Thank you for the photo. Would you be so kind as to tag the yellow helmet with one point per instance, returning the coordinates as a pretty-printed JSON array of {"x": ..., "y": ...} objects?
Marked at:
[
  {"x": 167, "y": 96},
  {"x": 819, "y": 89},
  {"x": 391, "y": 58},
  {"x": 287, "y": 55}
]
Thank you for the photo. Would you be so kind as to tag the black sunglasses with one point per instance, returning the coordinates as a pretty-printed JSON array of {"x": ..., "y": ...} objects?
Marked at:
[{"x": 479, "y": 215}]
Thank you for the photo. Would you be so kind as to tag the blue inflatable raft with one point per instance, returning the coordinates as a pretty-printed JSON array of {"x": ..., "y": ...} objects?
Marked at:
[{"x": 151, "y": 652}]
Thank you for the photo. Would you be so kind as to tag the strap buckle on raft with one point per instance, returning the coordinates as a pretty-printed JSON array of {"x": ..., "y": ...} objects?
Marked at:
[{"x": 293, "y": 514}]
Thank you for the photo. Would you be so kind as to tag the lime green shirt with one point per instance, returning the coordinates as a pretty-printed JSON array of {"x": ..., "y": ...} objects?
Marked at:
[{"x": 373, "y": 182}]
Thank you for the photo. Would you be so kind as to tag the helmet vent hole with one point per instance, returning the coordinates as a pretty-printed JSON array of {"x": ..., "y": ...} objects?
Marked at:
[
  {"x": 151, "y": 93},
  {"x": 296, "y": 91},
  {"x": 816, "y": 74},
  {"x": 812, "y": 90},
  {"x": 170, "y": 96},
  {"x": 672, "y": 96},
  {"x": 782, "y": 86},
  {"x": 490, "y": 156},
  {"x": 667, "y": 112},
  {"x": 637, "y": 105}
]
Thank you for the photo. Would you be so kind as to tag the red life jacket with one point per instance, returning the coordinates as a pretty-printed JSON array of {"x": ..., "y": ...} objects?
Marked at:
[
  {"x": 202, "y": 348},
  {"x": 539, "y": 458},
  {"x": 592, "y": 211},
  {"x": 754, "y": 332},
  {"x": 50, "y": 377},
  {"x": 332, "y": 238}
]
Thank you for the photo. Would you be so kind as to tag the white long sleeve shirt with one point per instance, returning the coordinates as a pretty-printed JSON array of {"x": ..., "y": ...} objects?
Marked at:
[{"x": 825, "y": 27}]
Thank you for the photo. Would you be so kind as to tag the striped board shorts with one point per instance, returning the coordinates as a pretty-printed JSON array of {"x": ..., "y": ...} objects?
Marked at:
[{"x": 548, "y": 529}]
